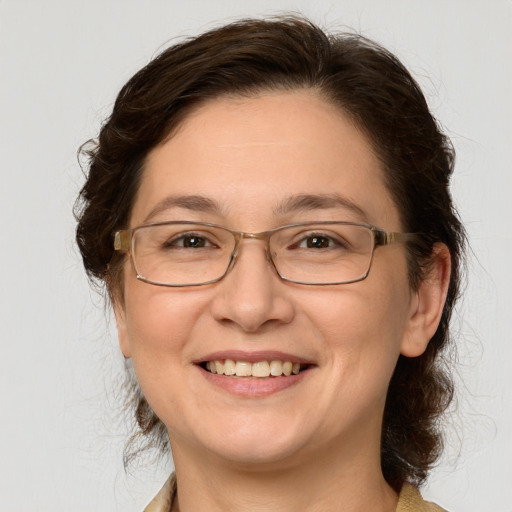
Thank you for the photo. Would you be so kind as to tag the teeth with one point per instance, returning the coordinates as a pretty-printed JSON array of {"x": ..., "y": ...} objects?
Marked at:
[
  {"x": 261, "y": 369},
  {"x": 274, "y": 368},
  {"x": 219, "y": 367},
  {"x": 243, "y": 369},
  {"x": 229, "y": 367}
]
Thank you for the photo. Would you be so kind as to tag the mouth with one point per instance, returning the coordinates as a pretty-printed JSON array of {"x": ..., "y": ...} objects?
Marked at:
[
  {"x": 263, "y": 369},
  {"x": 254, "y": 374}
]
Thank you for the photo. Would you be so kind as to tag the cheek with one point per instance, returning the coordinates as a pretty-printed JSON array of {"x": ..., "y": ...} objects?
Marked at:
[
  {"x": 363, "y": 324},
  {"x": 159, "y": 321}
]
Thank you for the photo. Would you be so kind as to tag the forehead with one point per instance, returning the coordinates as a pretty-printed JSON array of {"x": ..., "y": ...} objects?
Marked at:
[{"x": 251, "y": 155}]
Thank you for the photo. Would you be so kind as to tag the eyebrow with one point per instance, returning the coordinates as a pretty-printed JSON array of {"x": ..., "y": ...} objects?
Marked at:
[
  {"x": 305, "y": 202},
  {"x": 194, "y": 203},
  {"x": 292, "y": 204}
]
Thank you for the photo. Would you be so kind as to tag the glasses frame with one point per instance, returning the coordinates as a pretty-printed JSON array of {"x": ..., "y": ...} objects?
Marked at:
[{"x": 124, "y": 242}]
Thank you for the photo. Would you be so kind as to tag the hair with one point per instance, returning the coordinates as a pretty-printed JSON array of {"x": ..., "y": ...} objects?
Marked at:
[{"x": 367, "y": 83}]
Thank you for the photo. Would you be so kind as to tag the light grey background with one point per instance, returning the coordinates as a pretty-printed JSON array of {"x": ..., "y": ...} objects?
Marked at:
[{"x": 62, "y": 62}]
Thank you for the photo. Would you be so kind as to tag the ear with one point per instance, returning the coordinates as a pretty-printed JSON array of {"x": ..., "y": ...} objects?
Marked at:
[
  {"x": 427, "y": 303},
  {"x": 122, "y": 331}
]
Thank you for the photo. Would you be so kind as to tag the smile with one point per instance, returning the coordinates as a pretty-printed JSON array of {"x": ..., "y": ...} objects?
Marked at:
[{"x": 259, "y": 369}]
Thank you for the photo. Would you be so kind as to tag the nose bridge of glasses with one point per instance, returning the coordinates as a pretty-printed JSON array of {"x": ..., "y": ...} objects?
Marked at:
[
  {"x": 242, "y": 235},
  {"x": 254, "y": 236}
]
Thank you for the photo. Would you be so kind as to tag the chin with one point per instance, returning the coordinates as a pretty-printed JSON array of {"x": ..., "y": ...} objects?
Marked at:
[
  {"x": 254, "y": 446},
  {"x": 257, "y": 456}
]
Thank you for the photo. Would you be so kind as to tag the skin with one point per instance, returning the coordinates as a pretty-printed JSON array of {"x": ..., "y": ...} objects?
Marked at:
[{"x": 322, "y": 434}]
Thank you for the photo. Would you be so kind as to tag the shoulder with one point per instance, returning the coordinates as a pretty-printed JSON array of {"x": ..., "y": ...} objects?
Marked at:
[{"x": 410, "y": 500}]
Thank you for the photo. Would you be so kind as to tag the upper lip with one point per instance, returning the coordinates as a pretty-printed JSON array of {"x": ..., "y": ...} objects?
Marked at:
[{"x": 253, "y": 357}]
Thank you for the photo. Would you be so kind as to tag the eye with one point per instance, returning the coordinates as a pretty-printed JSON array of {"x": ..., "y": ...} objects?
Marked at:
[
  {"x": 189, "y": 241},
  {"x": 316, "y": 242},
  {"x": 320, "y": 241}
]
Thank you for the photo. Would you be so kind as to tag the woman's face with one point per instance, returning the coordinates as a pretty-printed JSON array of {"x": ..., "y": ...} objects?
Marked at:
[{"x": 248, "y": 157}]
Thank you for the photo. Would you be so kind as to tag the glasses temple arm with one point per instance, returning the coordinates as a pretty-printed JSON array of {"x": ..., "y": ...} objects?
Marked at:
[
  {"x": 122, "y": 240},
  {"x": 388, "y": 238}
]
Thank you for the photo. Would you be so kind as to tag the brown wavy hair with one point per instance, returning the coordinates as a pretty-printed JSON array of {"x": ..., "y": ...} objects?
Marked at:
[{"x": 367, "y": 83}]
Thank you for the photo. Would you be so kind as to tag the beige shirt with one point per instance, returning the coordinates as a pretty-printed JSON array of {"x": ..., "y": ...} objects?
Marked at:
[{"x": 410, "y": 499}]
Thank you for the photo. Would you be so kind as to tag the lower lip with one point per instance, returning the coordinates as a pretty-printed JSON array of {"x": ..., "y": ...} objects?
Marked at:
[{"x": 253, "y": 387}]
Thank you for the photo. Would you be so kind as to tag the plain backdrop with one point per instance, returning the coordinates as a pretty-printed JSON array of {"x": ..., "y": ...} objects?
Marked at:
[{"x": 62, "y": 62}]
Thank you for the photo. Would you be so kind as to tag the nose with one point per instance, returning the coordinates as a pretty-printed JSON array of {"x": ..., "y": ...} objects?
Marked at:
[{"x": 252, "y": 296}]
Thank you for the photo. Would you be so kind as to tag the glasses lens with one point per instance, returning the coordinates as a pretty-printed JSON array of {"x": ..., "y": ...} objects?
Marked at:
[
  {"x": 322, "y": 253},
  {"x": 181, "y": 254}
]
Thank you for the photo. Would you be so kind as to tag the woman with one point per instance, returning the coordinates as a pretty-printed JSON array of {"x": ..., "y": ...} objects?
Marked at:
[{"x": 269, "y": 209}]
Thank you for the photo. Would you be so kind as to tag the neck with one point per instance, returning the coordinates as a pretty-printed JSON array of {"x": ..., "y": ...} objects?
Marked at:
[{"x": 322, "y": 483}]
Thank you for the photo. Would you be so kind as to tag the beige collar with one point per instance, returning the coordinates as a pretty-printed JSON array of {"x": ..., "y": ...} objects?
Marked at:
[{"x": 410, "y": 499}]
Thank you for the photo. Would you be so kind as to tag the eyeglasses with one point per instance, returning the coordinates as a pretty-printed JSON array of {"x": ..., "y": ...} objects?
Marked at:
[{"x": 187, "y": 253}]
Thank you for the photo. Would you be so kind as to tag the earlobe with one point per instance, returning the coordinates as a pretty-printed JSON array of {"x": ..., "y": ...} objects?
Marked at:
[
  {"x": 428, "y": 303},
  {"x": 122, "y": 332}
]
